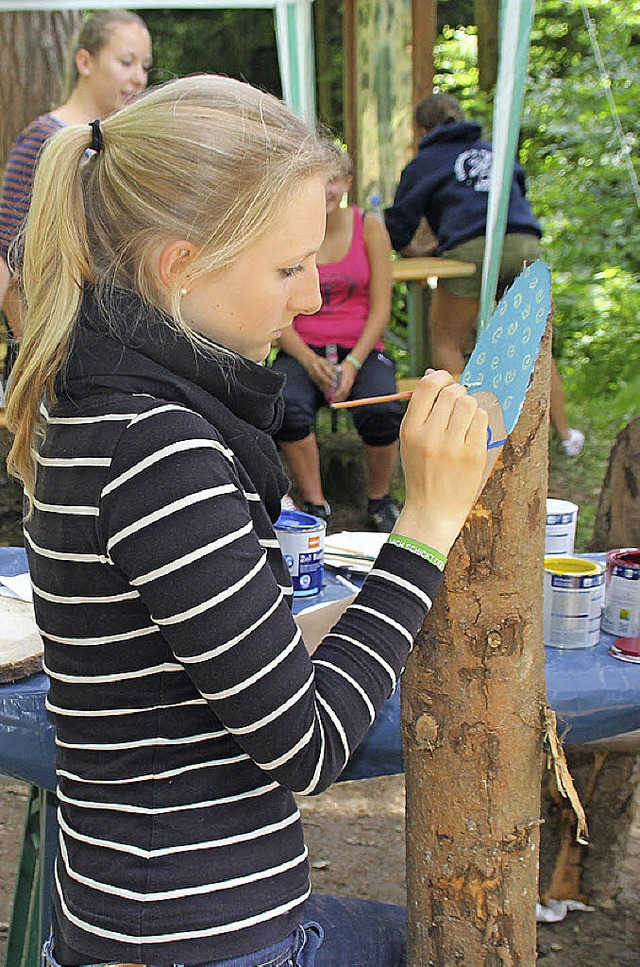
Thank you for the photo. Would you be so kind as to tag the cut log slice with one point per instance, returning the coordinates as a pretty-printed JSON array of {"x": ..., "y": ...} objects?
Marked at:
[{"x": 20, "y": 641}]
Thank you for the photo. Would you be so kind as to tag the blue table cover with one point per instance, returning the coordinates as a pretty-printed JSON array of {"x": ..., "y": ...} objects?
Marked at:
[{"x": 593, "y": 694}]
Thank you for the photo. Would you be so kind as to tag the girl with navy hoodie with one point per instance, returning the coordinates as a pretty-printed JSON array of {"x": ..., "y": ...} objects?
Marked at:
[{"x": 448, "y": 184}]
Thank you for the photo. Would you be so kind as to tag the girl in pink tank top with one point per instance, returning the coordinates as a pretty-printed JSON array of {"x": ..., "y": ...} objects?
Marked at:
[
  {"x": 345, "y": 293},
  {"x": 354, "y": 265}
]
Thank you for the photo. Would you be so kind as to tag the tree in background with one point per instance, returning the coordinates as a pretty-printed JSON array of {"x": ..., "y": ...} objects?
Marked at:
[
  {"x": 486, "y": 15},
  {"x": 582, "y": 190},
  {"x": 33, "y": 54}
]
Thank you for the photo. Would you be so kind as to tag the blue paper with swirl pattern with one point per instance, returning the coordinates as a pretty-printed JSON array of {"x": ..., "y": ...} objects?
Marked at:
[{"x": 505, "y": 354}]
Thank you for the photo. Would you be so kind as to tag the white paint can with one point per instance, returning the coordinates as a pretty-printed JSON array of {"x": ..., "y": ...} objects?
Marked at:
[
  {"x": 301, "y": 539},
  {"x": 573, "y": 599},
  {"x": 560, "y": 530}
]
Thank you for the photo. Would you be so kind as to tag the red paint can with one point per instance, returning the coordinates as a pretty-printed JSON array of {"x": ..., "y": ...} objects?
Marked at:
[{"x": 621, "y": 615}]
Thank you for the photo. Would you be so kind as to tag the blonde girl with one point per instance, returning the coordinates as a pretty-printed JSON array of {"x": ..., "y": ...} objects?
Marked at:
[
  {"x": 187, "y": 709},
  {"x": 109, "y": 62}
]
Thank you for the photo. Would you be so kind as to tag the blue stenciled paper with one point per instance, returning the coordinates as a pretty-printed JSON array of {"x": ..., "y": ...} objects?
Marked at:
[{"x": 505, "y": 355}]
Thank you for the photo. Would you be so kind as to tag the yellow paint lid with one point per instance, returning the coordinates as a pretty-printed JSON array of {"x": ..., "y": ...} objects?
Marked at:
[{"x": 577, "y": 566}]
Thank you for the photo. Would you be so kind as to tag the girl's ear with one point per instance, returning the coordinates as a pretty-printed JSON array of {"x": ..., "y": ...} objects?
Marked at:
[
  {"x": 173, "y": 259},
  {"x": 83, "y": 62}
]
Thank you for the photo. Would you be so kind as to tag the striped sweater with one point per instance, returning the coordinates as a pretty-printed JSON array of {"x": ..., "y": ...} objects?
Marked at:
[
  {"x": 18, "y": 177},
  {"x": 186, "y": 706}
]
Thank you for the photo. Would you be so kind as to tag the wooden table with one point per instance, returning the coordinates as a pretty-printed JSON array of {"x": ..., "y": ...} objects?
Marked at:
[{"x": 416, "y": 271}]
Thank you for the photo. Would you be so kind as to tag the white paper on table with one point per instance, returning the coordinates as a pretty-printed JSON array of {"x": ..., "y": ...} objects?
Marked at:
[
  {"x": 354, "y": 549},
  {"x": 16, "y": 586}
]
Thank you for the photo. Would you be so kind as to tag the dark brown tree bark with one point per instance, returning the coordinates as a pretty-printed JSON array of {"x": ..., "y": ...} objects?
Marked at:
[
  {"x": 473, "y": 697},
  {"x": 618, "y": 516},
  {"x": 33, "y": 52},
  {"x": 323, "y": 58},
  {"x": 486, "y": 16}
]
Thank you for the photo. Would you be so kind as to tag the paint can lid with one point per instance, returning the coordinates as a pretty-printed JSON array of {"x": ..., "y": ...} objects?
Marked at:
[
  {"x": 297, "y": 520},
  {"x": 577, "y": 566},
  {"x": 627, "y": 649}
]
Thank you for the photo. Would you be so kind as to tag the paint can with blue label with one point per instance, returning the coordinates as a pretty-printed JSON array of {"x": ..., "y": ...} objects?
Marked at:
[
  {"x": 573, "y": 600},
  {"x": 560, "y": 531},
  {"x": 621, "y": 614},
  {"x": 301, "y": 539}
]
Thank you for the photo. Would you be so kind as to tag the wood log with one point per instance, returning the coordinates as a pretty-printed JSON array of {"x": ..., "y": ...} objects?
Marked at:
[
  {"x": 20, "y": 641},
  {"x": 473, "y": 697},
  {"x": 607, "y": 782},
  {"x": 617, "y": 522}
]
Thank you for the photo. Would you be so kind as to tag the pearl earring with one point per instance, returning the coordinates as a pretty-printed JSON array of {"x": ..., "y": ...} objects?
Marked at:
[{"x": 184, "y": 291}]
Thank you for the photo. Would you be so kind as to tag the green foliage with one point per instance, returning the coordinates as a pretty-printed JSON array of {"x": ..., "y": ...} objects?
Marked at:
[
  {"x": 454, "y": 12},
  {"x": 239, "y": 43},
  {"x": 581, "y": 189},
  {"x": 396, "y": 334},
  {"x": 579, "y": 183}
]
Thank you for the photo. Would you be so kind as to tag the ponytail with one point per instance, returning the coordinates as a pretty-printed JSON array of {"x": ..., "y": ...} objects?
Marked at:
[
  {"x": 55, "y": 268},
  {"x": 208, "y": 159}
]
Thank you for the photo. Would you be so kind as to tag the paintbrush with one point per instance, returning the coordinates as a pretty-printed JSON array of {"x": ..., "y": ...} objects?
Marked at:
[{"x": 366, "y": 400}]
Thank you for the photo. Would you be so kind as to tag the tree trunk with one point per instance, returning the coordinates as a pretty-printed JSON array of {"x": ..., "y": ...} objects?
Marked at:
[
  {"x": 607, "y": 782},
  {"x": 486, "y": 13},
  {"x": 33, "y": 52},
  {"x": 618, "y": 515},
  {"x": 473, "y": 696},
  {"x": 382, "y": 86},
  {"x": 323, "y": 60}
]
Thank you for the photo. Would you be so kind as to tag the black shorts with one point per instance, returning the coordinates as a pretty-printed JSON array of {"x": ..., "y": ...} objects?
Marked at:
[{"x": 378, "y": 424}]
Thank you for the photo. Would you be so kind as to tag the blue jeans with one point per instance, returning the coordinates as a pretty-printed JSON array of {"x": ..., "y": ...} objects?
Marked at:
[
  {"x": 296, "y": 950},
  {"x": 357, "y": 933}
]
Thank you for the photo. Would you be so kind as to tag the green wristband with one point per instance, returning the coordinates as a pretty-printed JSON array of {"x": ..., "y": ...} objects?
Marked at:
[
  {"x": 354, "y": 362},
  {"x": 422, "y": 550}
]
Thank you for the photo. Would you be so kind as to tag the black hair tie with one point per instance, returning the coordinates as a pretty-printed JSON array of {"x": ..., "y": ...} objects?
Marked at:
[{"x": 97, "y": 140}]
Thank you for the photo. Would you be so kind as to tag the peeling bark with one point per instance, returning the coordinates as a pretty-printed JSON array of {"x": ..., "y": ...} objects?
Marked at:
[
  {"x": 473, "y": 696},
  {"x": 607, "y": 781}
]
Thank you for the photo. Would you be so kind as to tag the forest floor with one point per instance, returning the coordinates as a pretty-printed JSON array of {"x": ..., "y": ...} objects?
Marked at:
[{"x": 355, "y": 833}]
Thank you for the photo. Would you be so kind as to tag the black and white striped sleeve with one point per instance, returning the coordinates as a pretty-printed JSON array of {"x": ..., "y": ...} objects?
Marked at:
[{"x": 177, "y": 521}]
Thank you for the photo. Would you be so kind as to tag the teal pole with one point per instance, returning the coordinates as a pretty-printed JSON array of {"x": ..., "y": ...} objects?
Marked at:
[{"x": 516, "y": 18}]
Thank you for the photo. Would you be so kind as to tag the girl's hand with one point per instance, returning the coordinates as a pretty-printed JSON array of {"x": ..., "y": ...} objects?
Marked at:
[
  {"x": 322, "y": 373},
  {"x": 348, "y": 375},
  {"x": 443, "y": 441}
]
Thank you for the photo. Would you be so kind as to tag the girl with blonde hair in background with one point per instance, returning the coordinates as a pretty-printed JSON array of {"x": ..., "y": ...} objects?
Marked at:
[
  {"x": 187, "y": 708},
  {"x": 108, "y": 65}
]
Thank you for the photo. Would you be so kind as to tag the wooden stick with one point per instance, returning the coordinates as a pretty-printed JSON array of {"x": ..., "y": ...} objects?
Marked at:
[{"x": 366, "y": 400}]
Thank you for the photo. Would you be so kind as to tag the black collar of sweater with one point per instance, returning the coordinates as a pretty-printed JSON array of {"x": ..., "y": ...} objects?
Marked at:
[{"x": 122, "y": 345}]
